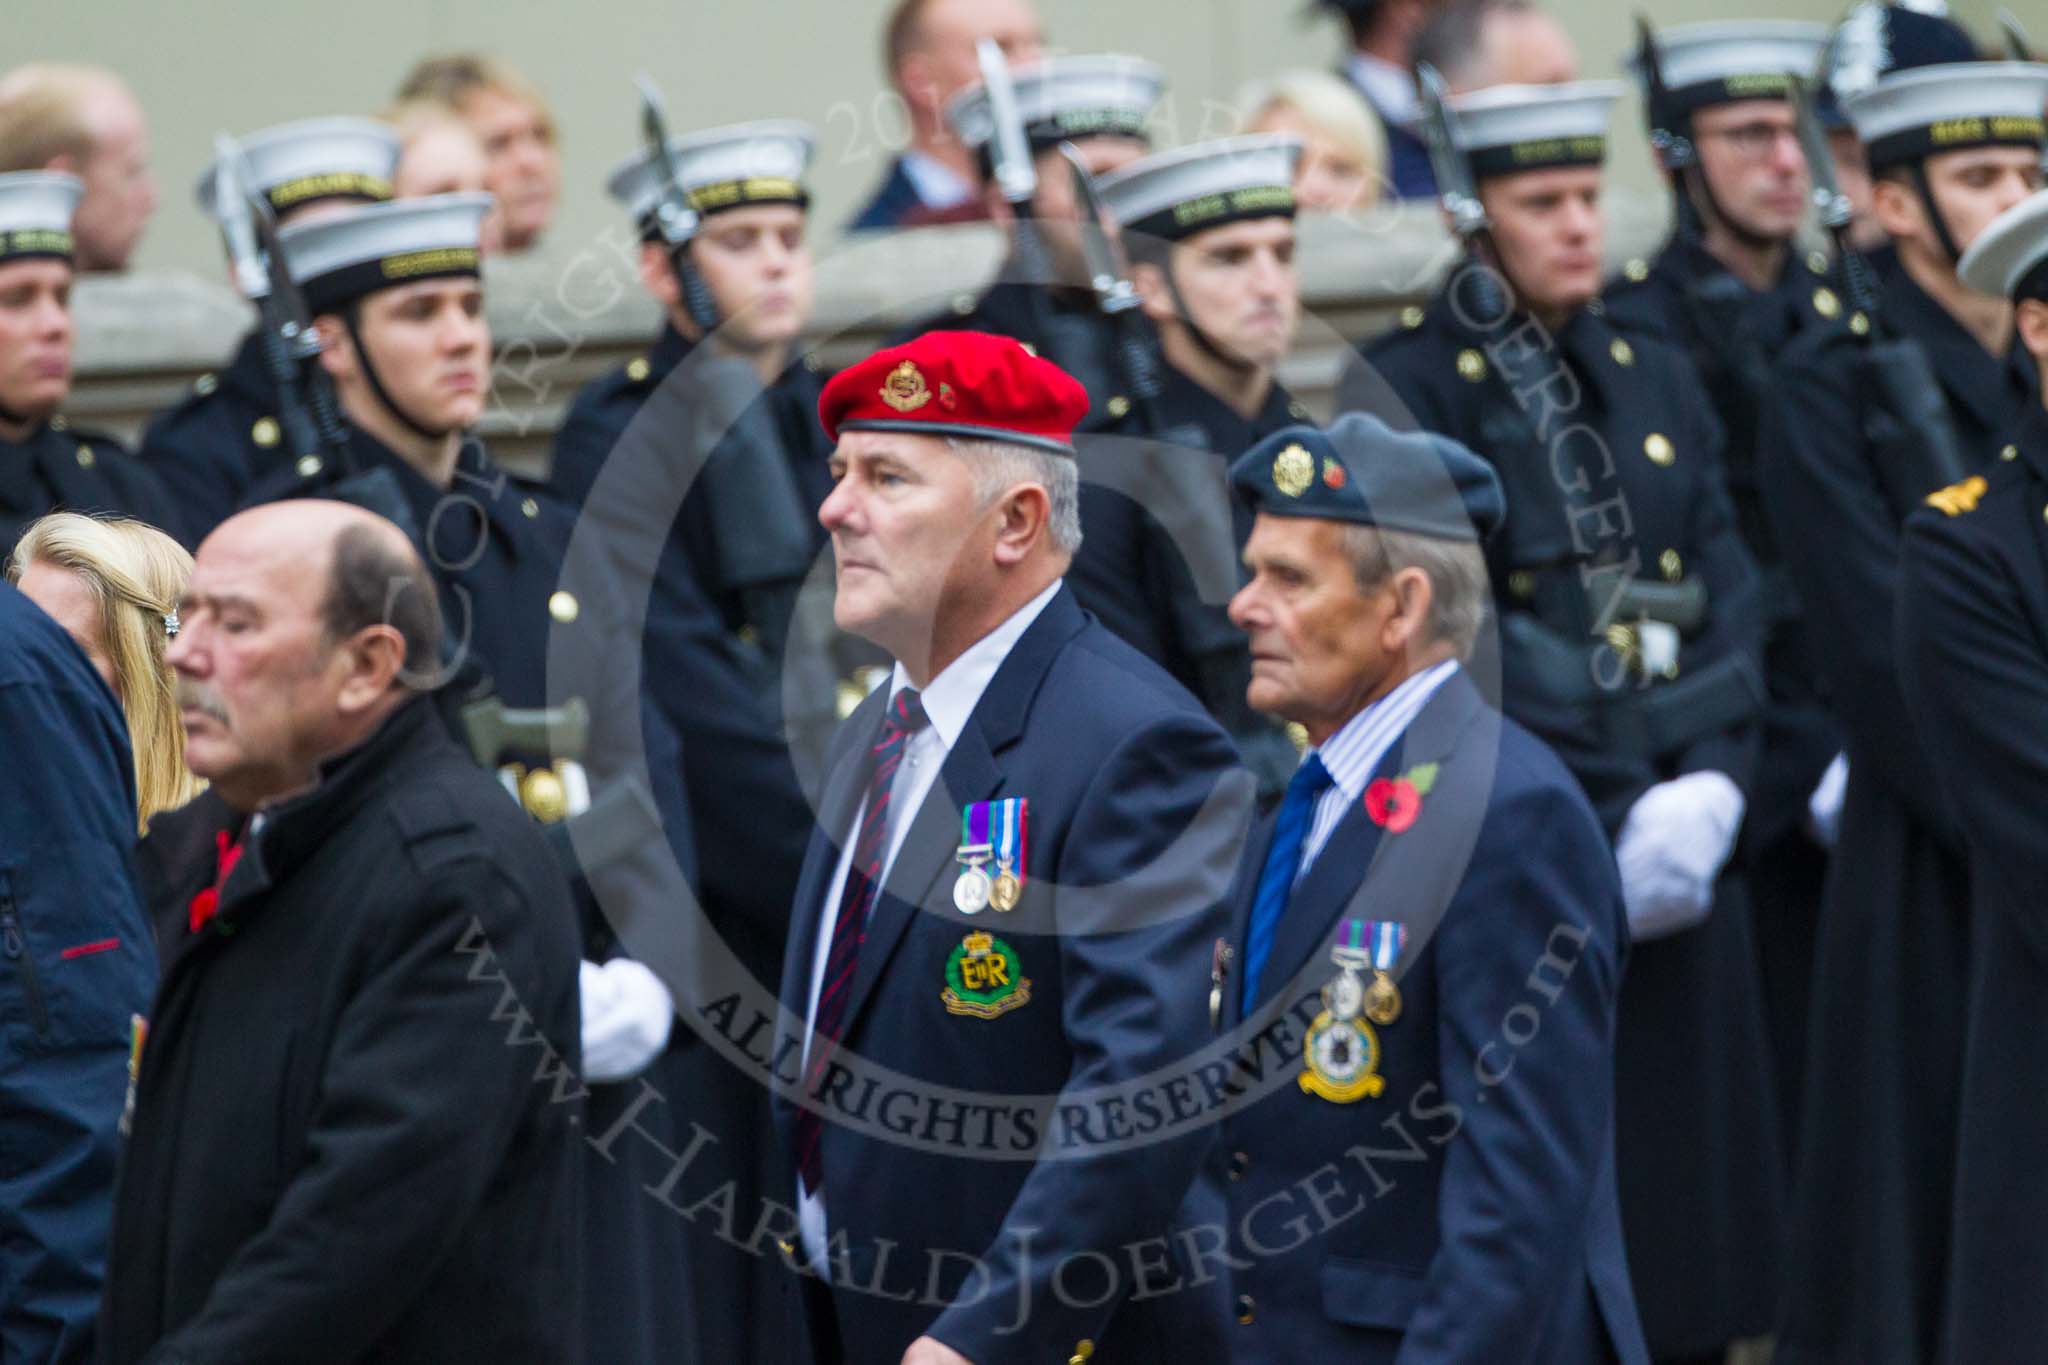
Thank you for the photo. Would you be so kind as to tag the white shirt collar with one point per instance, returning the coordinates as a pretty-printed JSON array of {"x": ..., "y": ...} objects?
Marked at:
[
  {"x": 952, "y": 696},
  {"x": 1354, "y": 753},
  {"x": 1389, "y": 88},
  {"x": 938, "y": 186}
]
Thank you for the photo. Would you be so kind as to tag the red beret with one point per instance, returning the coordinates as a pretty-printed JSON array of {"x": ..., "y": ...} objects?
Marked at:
[{"x": 970, "y": 384}]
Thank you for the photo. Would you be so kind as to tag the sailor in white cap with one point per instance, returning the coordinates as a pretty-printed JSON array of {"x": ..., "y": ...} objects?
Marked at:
[
  {"x": 1209, "y": 232},
  {"x": 1102, "y": 106},
  {"x": 749, "y": 267},
  {"x": 227, "y": 431},
  {"x": 723, "y": 418},
  {"x": 1732, "y": 287},
  {"x": 1864, "y": 421},
  {"x": 1973, "y": 615},
  {"x": 46, "y": 465},
  {"x": 1630, "y": 641}
]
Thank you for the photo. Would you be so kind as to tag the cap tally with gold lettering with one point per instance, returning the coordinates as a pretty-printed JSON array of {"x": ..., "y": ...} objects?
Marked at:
[
  {"x": 1729, "y": 61},
  {"x": 1062, "y": 98},
  {"x": 1172, "y": 195},
  {"x": 1363, "y": 471},
  {"x": 1508, "y": 129},
  {"x": 35, "y": 214},
  {"x": 722, "y": 168},
  {"x": 339, "y": 259},
  {"x": 2009, "y": 259},
  {"x": 314, "y": 160},
  {"x": 1910, "y": 115},
  {"x": 971, "y": 385}
]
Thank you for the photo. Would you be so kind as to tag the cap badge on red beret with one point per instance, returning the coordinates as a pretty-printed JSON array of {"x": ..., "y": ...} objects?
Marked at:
[
  {"x": 904, "y": 389},
  {"x": 1293, "y": 470}
]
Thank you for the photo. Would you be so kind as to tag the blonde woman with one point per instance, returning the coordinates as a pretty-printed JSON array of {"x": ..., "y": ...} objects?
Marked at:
[
  {"x": 114, "y": 585},
  {"x": 1343, "y": 166}
]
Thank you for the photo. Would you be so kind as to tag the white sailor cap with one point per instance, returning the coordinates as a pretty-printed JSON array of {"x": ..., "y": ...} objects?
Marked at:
[
  {"x": 1507, "y": 129},
  {"x": 338, "y": 259},
  {"x": 294, "y": 164},
  {"x": 1060, "y": 98},
  {"x": 722, "y": 168},
  {"x": 1924, "y": 110},
  {"x": 1732, "y": 60},
  {"x": 2009, "y": 259},
  {"x": 35, "y": 213},
  {"x": 1171, "y": 195}
]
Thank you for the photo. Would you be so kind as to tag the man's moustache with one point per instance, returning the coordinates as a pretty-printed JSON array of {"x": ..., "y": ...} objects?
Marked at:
[{"x": 196, "y": 697}]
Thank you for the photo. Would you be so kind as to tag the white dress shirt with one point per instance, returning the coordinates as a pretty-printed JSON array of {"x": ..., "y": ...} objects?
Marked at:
[
  {"x": 1389, "y": 88},
  {"x": 938, "y": 186},
  {"x": 1355, "y": 752},
  {"x": 948, "y": 700}
]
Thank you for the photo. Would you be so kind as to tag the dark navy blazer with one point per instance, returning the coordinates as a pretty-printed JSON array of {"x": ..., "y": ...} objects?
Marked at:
[
  {"x": 1469, "y": 1212},
  {"x": 1136, "y": 812}
]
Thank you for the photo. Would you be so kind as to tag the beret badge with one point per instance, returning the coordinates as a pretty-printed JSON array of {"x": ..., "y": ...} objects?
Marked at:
[
  {"x": 904, "y": 389},
  {"x": 1293, "y": 470}
]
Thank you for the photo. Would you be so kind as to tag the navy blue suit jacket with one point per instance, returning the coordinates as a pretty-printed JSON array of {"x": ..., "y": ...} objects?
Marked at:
[
  {"x": 1136, "y": 812},
  {"x": 1469, "y": 1212},
  {"x": 895, "y": 199}
]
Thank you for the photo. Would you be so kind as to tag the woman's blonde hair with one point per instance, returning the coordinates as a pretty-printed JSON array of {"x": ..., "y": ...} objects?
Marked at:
[
  {"x": 136, "y": 574},
  {"x": 1333, "y": 107}
]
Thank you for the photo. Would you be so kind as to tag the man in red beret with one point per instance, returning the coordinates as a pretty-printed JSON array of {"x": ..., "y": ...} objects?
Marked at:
[{"x": 1000, "y": 946}]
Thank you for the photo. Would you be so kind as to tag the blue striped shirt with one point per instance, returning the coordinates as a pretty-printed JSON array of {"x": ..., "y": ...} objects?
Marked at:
[{"x": 1355, "y": 752}]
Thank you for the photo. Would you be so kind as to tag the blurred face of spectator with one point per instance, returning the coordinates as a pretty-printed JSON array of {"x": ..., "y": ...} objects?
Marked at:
[
  {"x": 68, "y": 599},
  {"x": 1055, "y": 206},
  {"x": 1549, "y": 233},
  {"x": 120, "y": 192},
  {"x": 35, "y": 341},
  {"x": 942, "y": 62},
  {"x": 1526, "y": 47},
  {"x": 523, "y": 166},
  {"x": 1750, "y": 156},
  {"x": 756, "y": 264},
  {"x": 446, "y": 158},
  {"x": 1239, "y": 287},
  {"x": 1329, "y": 178}
]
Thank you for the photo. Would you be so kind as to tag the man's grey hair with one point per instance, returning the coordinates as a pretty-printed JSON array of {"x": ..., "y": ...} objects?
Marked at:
[
  {"x": 1000, "y": 466},
  {"x": 1458, "y": 583}
]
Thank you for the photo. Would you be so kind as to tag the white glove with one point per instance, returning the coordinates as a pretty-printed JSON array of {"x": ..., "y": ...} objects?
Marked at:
[
  {"x": 1824, "y": 807},
  {"x": 627, "y": 1014},
  {"x": 1674, "y": 843}
]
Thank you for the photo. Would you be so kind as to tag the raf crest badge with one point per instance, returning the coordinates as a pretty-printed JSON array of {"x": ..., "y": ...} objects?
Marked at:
[
  {"x": 1342, "y": 1053},
  {"x": 1294, "y": 469}
]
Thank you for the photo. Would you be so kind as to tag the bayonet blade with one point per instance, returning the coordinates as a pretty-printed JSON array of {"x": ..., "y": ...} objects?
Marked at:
[
  {"x": 231, "y": 210},
  {"x": 672, "y": 211},
  {"x": 1009, "y": 151},
  {"x": 1106, "y": 274},
  {"x": 1455, "y": 188}
]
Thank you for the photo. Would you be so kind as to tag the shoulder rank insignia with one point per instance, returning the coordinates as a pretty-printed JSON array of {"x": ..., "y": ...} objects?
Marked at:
[
  {"x": 1959, "y": 498},
  {"x": 984, "y": 979}
]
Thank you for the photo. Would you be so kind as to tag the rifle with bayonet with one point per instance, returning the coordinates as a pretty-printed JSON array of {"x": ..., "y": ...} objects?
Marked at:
[
  {"x": 1115, "y": 296},
  {"x": 673, "y": 216},
  {"x": 1906, "y": 418},
  {"x": 1458, "y": 193},
  {"x": 2016, "y": 41}
]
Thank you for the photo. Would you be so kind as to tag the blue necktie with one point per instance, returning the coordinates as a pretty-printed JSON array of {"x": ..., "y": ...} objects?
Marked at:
[{"x": 1283, "y": 859}]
